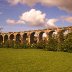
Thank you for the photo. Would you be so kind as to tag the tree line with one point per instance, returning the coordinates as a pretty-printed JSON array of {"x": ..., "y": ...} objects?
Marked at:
[{"x": 59, "y": 43}]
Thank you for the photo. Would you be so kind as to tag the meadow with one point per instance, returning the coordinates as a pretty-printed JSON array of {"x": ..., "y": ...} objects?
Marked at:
[{"x": 34, "y": 60}]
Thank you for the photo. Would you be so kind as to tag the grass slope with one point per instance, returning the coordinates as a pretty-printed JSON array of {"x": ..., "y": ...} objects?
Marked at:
[{"x": 34, "y": 60}]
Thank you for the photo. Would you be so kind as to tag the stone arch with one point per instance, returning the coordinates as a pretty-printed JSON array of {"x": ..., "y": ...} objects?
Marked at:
[
  {"x": 5, "y": 38},
  {"x": 66, "y": 31},
  {"x": 51, "y": 33},
  {"x": 11, "y": 37},
  {"x": 32, "y": 38},
  {"x": 61, "y": 35},
  {"x": 25, "y": 36},
  {"x": 1, "y": 38},
  {"x": 45, "y": 36},
  {"x": 18, "y": 37},
  {"x": 41, "y": 36},
  {"x": 54, "y": 34}
]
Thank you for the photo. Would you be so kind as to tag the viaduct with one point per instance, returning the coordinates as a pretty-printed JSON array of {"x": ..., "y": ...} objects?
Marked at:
[{"x": 32, "y": 36}]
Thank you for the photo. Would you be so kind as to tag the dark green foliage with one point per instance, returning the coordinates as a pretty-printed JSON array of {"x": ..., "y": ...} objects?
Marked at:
[
  {"x": 8, "y": 44},
  {"x": 61, "y": 43},
  {"x": 1, "y": 45},
  {"x": 33, "y": 46},
  {"x": 41, "y": 45},
  {"x": 51, "y": 44},
  {"x": 60, "y": 37},
  {"x": 24, "y": 46},
  {"x": 16, "y": 45},
  {"x": 67, "y": 44}
]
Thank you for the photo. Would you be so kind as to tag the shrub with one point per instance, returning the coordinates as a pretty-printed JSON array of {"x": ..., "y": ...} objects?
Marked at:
[
  {"x": 16, "y": 44},
  {"x": 41, "y": 45},
  {"x": 1, "y": 45},
  {"x": 24, "y": 46},
  {"x": 67, "y": 45},
  {"x": 33, "y": 46},
  {"x": 6, "y": 44},
  {"x": 51, "y": 44}
]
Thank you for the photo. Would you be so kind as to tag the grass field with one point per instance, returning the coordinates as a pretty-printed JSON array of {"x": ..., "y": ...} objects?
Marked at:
[{"x": 34, "y": 60}]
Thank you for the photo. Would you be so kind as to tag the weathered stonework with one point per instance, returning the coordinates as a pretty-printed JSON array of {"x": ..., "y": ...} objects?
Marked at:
[{"x": 32, "y": 36}]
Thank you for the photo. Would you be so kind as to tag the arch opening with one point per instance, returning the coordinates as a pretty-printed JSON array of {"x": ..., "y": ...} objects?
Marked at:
[
  {"x": 51, "y": 33},
  {"x": 1, "y": 38},
  {"x": 41, "y": 36},
  {"x": 25, "y": 38},
  {"x": 33, "y": 38},
  {"x": 18, "y": 36},
  {"x": 11, "y": 37},
  {"x": 5, "y": 38}
]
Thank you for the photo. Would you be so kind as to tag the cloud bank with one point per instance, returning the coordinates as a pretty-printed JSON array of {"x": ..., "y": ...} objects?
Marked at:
[
  {"x": 68, "y": 19},
  {"x": 34, "y": 18},
  {"x": 13, "y": 22},
  {"x": 65, "y": 5},
  {"x": 51, "y": 22}
]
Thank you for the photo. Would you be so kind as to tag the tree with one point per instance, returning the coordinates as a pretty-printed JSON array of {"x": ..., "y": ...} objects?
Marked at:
[
  {"x": 67, "y": 45},
  {"x": 51, "y": 44}
]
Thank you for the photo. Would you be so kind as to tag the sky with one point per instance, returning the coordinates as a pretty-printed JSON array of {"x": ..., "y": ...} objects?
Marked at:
[{"x": 22, "y": 15}]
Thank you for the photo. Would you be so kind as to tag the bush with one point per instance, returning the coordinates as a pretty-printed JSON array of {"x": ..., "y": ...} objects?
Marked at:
[
  {"x": 33, "y": 46},
  {"x": 24, "y": 46},
  {"x": 51, "y": 45},
  {"x": 68, "y": 43},
  {"x": 41, "y": 45},
  {"x": 1, "y": 45},
  {"x": 6, "y": 44}
]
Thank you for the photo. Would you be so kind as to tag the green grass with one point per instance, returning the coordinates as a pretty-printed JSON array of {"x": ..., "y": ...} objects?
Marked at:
[{"x": 34, "y": 60}]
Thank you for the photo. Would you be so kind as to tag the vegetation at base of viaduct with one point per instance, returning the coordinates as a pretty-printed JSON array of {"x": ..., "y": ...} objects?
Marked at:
[
  {"x": 58, "y": 42},
  {"x": 64, "y": 44}
]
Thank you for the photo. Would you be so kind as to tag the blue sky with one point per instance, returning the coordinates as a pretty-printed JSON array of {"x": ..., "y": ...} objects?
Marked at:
[{"x": 8, "y": 11}]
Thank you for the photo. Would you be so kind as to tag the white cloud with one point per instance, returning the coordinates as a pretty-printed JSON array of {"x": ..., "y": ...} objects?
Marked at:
[
  {"x": 13, "y": 2},
  {"x": 51, "y": 22},
  {"x": 20, "y": 22},
  {"x": 34, "y": 17},
  {"x": 28, "y": 2},
  {"x": 61, "y": 4},
  {"x": 68, "y": 19},
  {"x": 11, "y": 21}
]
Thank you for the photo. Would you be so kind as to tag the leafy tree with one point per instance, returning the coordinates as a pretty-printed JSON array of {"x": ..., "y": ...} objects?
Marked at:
[
  {"x": 60, "y": 37},
  {"x": 40, "y": 45},
  {"x": 51, "y": 44},
  {"x": 67, "y": 45}
]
